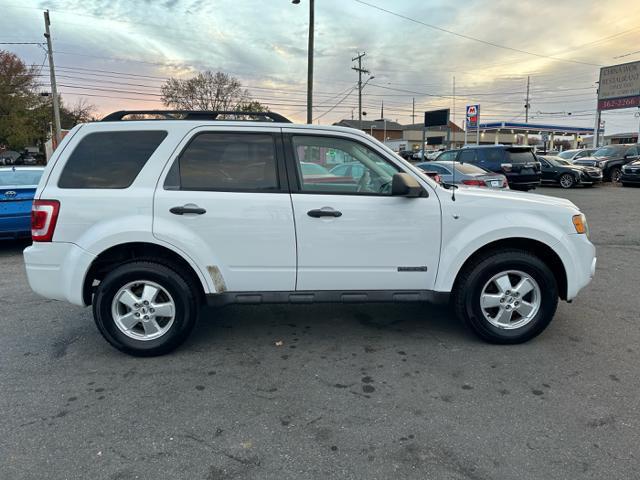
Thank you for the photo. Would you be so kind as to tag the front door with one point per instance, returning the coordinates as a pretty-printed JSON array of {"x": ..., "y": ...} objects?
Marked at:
[
  {"x": 225, "y": 202},
  {"x": 351, "y": 233}
]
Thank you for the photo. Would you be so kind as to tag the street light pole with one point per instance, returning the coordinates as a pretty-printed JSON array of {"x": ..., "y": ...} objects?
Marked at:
[{"x": 309, "y": 59}]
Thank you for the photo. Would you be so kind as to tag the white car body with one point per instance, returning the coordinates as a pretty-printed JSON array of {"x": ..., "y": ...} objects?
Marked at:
[{"x": 265, "y": 242}]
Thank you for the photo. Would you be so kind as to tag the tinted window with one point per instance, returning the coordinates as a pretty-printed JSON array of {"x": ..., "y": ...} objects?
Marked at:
[
  {"x": 632, "y": 151},
  {"x": 228, "y": 162},
  {"x": 468, "y": 156},
  {"x": 109, "y": 159},
  {"x": 520, "y": 156},
  {"x": 608, "y": 151},
  {"x": 431, "y": 167},
  {"x": 493, "y": 156},
  {"x": 20, "y": 178},
  {"x": 370, "y": 173}
]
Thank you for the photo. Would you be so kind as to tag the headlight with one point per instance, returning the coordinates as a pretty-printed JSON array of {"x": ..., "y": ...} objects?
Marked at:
[
  {"x": 580, "y": 224},
  {"x": 602, "y": 164}
]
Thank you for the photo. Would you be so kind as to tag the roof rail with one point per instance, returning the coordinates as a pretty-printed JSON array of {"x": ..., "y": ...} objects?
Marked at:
[{"x": 193, "y": 115}]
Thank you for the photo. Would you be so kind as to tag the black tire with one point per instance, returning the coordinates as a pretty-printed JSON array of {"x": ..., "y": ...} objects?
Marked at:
[
  {"x": 567, "y": 180},
  {"x": 177, "y": 284},
  {"x": 471, "y": 281},
  {"x": 615, "y": 174}
]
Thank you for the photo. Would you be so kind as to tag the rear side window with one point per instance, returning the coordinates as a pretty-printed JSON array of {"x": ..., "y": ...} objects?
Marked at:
[
  {"x": 520, "y": 156},
  {"x": 468, "y": 156},
  {"x": 227, "y": 162},
  {"x": 109, "y": 159}
]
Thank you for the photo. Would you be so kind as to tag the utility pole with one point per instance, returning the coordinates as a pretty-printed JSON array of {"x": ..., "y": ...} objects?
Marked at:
[
  {"x": 526, "y": 105},
  {"x": 454, "y": 99},
  {"x": 360, "y": 71},
  {"x": 596, "y": 128},
  {"x": 309, "y": 59},
  {"x": 413, "y": 111},
  {"x": 52, "y": 74}
]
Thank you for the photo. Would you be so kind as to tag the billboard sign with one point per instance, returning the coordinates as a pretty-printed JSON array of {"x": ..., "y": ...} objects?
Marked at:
[
  {"x": 436, "y": 118},
  {"x": 473, "y": 116},
  {"x": 619, "y": 86}
]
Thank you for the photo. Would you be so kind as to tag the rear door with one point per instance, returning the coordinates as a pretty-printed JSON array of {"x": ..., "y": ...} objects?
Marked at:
[
  {"x": 355, "y": 235},
  {"x": 224, "y": 200}
]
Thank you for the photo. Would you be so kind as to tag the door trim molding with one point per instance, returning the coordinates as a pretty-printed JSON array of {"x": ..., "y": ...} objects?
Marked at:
[{"x": 327, "y": 296}]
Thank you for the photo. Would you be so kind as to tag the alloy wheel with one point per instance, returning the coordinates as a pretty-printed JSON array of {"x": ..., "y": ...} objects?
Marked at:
[
  {"x": 143, "y": 310},
  {"x": 510, "y": 299}
]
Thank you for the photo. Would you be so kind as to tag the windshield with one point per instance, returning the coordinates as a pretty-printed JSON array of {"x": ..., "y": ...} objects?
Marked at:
[
  {"x": 313, "y": 169},
  {"x": 557, "y": 161},
  {"x": 468, "y": 169},
  {"x": 20, "y": 178},
  {"x": 567, "y": 154},
  {"x": 607, "y": 151}
]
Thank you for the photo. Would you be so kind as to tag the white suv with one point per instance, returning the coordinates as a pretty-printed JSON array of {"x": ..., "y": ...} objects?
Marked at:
[{"x": 147, "y": 220}]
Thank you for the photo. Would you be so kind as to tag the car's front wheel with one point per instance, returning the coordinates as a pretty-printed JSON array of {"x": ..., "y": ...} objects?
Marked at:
[
  {"x": 615, "y": 174},
  {"x": 144, "y": 308},
  {"x": 567, "y": 180},
  {"x": 506, "y": 297}
]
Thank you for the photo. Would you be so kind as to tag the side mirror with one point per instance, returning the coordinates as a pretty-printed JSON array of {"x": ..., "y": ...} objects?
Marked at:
[{"x": 404, "y": 185}]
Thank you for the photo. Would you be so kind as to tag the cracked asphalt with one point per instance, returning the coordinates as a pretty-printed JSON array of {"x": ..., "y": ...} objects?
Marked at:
[{"x": 364, "y": 392}]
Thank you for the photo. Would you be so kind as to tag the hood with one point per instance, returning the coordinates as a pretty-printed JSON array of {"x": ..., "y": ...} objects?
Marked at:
[{"x": 511, "y": 198}]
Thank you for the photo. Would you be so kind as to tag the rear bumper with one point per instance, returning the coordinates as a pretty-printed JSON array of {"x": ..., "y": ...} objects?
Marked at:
[
  {"x": 57, "y": 270},
  {"x": 15, "y": 227}
]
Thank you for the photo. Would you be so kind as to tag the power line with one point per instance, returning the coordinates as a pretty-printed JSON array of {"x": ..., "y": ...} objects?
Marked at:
[{"x": 468, "y": 37}]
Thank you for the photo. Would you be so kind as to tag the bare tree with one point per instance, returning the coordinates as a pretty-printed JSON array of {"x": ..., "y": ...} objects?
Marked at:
[
  {"x": 208, "y": 91},
  {"x": 80, "y": 112}
]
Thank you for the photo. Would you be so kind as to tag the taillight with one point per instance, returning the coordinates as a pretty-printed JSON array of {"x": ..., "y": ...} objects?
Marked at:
[
  {"x": 44, "y": 215},
  {"x": 475, "y": 183}
]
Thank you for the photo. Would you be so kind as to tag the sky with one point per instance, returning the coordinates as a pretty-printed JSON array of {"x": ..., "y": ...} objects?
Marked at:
[{"x": 117, "y": 53}]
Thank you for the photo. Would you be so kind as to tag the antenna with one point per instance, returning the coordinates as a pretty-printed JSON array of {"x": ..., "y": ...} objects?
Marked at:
[{"x": 453, "y": 179}]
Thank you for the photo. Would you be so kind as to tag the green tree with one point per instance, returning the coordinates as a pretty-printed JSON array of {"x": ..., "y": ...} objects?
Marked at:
[{"x": 20, "y": 105}]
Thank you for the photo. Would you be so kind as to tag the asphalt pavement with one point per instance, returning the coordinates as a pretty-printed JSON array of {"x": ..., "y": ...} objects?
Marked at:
[{"x": 358, "y": 391}]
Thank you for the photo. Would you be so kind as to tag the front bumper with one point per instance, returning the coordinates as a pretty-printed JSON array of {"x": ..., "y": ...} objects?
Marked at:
[
  {"x": 582, "y": 266},
  {"x": 57, "y": 270},
  {"x": 630, "y": 177}
]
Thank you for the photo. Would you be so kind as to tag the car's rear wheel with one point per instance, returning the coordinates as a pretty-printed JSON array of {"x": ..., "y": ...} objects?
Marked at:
[
  {"x": 567, "y": 180},
  {"x": 615, "y": 174},
  {"x": 506, "y": 297},
  {"x": 144, "y": 308}
]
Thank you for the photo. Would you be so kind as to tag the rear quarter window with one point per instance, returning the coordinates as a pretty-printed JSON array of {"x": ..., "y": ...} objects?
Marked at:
[{"x": 109, "y": 160}]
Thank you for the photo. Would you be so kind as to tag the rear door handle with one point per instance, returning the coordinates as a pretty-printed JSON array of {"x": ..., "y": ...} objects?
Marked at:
[
  {"x": 188, "y": 209},
  {"x": 324, "y": 212}
]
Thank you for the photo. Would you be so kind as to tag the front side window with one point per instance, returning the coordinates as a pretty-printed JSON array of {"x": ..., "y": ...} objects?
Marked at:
[
  {"x": 370, "y": 173},
  {"x": 109, "y": 159},
  {"x": 226, "y": 162}
]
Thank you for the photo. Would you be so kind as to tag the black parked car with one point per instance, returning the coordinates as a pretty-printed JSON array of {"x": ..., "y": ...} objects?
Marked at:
[
  {"x": 518, "y": 164},
  {"x": 611, "y": 159},
  {"x": 564, "y": 173},
  {"x": 631, "y": 174}
]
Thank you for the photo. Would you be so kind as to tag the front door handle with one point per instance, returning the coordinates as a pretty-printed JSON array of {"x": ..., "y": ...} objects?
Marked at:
[
  {"x": 324, "y": 212},
  {"x": 187, "y": 209}
]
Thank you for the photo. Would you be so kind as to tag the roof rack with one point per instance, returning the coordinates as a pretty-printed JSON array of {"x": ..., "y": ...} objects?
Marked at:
[{"x": 194, "y": 115}]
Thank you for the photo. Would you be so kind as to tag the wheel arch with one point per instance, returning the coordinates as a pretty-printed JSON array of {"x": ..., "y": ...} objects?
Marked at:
[
  {"x": 131, "y": 251},
  {"x": 543, "y": 251}
]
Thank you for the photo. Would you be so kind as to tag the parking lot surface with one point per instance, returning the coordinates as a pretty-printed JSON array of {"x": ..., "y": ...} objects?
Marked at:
[{"x": 333, "y": 391}]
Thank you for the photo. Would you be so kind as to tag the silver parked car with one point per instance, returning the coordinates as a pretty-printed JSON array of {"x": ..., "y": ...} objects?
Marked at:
[
  {"x": 572, "y": 155},
  {"x": 466, "y": 174}
]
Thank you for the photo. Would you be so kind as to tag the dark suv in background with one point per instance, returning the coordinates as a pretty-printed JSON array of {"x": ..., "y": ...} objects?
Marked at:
[
  {"x": 611, "y": 159},
  {"x": 518, "y": 164}
]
